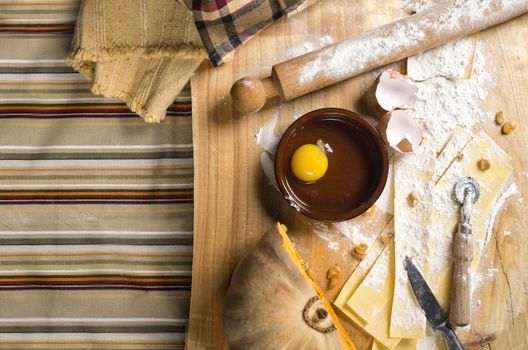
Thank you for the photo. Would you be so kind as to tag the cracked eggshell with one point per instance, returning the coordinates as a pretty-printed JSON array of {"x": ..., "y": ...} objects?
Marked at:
[
  {"x": 400, "y": 132},
  {"x": 392, "y": 90}
]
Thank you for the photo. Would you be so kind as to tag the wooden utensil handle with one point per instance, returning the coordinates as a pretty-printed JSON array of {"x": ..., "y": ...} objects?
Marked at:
[
  {"x": 460, "y": 305},
  {"x": 432, "y": 27}
]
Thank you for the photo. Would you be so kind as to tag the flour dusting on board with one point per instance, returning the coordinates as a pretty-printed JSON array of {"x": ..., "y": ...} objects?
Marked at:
[
  {"x": 266, "y": 136},
  {"x": 268, "y": 140},
  {"x": 451, "y": 61},
  {"x": 308, "y": 45},
  {"x": 447, "y": 101},
  {"x": 451, "y": 84},
  {"x": 499, "y": 204},
  {"x": 365, "y": 51},
  {"x": 323, "y": 232},
  {"x": 356, "y": 233},
  {"x": 378, "y": 275},
  {"x": 447, "y": 105}
]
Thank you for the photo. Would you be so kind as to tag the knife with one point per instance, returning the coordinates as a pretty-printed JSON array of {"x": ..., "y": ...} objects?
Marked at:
[{"x": 433, "y": 312}]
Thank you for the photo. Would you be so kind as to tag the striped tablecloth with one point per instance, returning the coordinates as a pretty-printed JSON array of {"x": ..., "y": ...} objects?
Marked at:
[{"x": 95, "y": 204}]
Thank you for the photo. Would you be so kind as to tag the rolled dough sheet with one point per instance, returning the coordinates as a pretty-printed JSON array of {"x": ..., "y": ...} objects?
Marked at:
[{"x": 493, "y": 183}]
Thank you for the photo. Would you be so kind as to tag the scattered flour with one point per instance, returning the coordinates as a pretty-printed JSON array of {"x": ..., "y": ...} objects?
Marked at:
[
  {"x": 323, "y": 232},
  {"x": 268, "y": 140},
  {"x": 365, "y": 51},
  {"x": 355, "y": 232},
  {"x": 446, "y": 102},
  {"x": 307, "y": 45},
  {"x": 385, "y": 202},
  {"x": 512, "y": 190},
  {"x": 413, "y": 6},
  {"x": 358, "y": 233},
  {"x": 492, "y": 271},
  {"x": 430, "y": 341},
  {"x": 413, "y": 173},
  {"x": 293, "y": 203},
  {"x": 266, "y": 136},
  {"x": 467, "y": 12},
  {"x": 478, "y": 279},
  {"x": 450, "y": 104},
  {"x": 258, "y": 136},
  {"x": 443, "y": 106},
  {"x": 451, "y": 61},
  {"x": 354, "y": 56},
  {"x": 378, "y": 275}
]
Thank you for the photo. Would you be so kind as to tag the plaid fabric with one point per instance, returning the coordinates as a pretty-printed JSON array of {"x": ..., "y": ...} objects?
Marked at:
[{"x": 224, "y": 25}]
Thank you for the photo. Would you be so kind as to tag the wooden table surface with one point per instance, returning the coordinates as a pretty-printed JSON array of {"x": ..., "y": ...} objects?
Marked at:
[{"x": 235, "y": 205}]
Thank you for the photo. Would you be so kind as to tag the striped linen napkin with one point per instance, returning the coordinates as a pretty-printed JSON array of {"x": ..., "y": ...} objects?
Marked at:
[
  {"x": 96, "y": 216},
  {"x": 141, "y": 52}
]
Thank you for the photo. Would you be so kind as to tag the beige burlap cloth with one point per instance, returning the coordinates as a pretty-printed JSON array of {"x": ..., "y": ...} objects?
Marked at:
[{"x": 142, "y": 51}]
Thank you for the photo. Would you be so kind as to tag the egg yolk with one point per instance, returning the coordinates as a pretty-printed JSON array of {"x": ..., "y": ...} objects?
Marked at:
[{"x": 309, "y": 163}]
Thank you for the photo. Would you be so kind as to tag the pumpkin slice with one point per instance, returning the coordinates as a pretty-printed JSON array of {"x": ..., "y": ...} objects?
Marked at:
[{"x": 272, "y": 303}]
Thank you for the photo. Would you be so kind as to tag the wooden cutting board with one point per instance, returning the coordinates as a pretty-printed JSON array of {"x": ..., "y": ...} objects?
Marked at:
[{"x": 235, "y": 205}]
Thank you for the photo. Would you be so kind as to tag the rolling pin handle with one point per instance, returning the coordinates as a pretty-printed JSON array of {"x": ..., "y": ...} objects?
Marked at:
[
  {"x": 249, "y": 95},
  {"x": 460, "y": 304}
]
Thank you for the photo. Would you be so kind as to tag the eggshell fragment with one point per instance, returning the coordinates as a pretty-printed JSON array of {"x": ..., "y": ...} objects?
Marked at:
[
  {"x": 391, "y": 90},
  {"x": 400, "y": 132}
]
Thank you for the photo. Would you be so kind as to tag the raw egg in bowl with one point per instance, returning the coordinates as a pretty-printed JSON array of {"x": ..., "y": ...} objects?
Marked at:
[{"x": 331, "y": 164}]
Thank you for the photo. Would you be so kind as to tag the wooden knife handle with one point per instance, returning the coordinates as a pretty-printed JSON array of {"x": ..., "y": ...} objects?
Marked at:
[{"x": 460, "y": 304}]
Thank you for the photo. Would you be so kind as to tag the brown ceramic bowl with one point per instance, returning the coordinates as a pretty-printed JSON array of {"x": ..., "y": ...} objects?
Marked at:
[{"x": 357, "y": 167}]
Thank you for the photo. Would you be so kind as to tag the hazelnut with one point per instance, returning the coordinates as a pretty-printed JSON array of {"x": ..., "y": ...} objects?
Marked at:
[
  {"x": 333, "y": 272},
  {"x": 412, "y": 199},
  {"x": 483, "y": 164},
  {"x": 499, "y": 118},
  {"x": 332, "y": 283},
  {"x": 508, "y": 127},
  {"x": 361, "y": 248}
]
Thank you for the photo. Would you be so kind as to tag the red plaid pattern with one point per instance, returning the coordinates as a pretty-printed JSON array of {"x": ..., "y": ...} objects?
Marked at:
[{"x": 224, "y": 25}]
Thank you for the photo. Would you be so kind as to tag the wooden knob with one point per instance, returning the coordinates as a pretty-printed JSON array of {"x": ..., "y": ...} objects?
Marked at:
[{"x": 248, "y": 95}]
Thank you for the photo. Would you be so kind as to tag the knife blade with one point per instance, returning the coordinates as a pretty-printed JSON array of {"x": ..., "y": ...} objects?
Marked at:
[{"x": 433, "y": 311}]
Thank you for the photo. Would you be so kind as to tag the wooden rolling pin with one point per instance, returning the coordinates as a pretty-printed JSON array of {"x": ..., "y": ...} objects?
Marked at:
[{"x": 406, "y": 37}]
